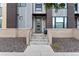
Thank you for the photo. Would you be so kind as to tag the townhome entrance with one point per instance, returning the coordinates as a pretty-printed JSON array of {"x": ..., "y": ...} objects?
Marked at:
[{"x": 38, "y": 25}]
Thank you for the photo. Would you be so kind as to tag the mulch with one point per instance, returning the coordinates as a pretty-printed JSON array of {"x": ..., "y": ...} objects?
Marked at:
[
  {"x": 12, "y": 44},
  {"x": 65, "y": 45}
]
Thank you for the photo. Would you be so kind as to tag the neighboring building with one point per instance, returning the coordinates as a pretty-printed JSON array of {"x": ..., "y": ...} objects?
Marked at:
[{"x": 35, "y": 17}]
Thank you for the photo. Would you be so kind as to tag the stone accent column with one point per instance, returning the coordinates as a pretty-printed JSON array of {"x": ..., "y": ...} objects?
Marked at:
[
  {"x": 11, "y": 15},
  {"x": 70, "y": 15},
  {"x": 49, "y": 18},
  {"x": 4, "y": 15}
]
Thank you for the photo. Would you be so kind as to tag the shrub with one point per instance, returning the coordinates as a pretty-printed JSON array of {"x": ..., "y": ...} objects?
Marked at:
[{"x": 56, "y": 46}]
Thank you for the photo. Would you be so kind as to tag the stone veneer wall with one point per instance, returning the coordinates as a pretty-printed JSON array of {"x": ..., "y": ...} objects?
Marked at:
[
  {"x": 70, "y": 15},
  {"x": 14, "y": 33},
  {"x": 49, "y": 18},
  {"x": 62, "y": 33},
  {"x": 76, "y": 33}
]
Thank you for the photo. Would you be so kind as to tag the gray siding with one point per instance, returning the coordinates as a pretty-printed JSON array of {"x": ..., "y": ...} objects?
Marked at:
[
  {"x": 60, "y": 12},
  {"x": 29, "y": 16}
]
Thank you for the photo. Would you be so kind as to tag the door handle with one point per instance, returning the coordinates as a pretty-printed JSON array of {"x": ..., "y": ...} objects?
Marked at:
[{"x": 20, "y": 17}]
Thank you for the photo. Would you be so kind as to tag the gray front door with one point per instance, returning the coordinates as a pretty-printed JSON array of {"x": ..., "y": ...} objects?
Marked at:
[{"x": 38, "y": 25}]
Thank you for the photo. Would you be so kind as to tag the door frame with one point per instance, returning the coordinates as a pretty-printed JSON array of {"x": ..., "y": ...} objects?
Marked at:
[{"x": 34, "y": 18}]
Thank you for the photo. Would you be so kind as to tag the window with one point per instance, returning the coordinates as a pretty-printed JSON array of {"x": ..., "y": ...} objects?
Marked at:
[
  {"x": 76, "y": 7},
  {"x": 1, "y": 15},
  {"x": 59, "y": 22},
  {"x": 0, "y": 22},
  {"x": 21, "y": 4},
  {"x": 38, "y": 7},
  {"x": 77, "y": 23},
  {"x": 1, "y": 4},
  {"x": 65, "y": 5},
  {"x": 0, "y": 10}
]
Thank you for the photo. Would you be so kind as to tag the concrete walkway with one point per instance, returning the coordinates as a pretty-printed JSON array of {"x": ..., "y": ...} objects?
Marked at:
[
  {"x": 39, "y": 46},
  {"x": 39, "y": 50}
]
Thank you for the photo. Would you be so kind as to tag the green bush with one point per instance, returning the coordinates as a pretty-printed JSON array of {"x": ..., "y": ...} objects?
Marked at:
[{"x": 56, "y": 46}]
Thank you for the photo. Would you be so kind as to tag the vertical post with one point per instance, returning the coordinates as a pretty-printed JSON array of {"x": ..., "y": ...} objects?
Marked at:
[{"x": 4, "y": 15}]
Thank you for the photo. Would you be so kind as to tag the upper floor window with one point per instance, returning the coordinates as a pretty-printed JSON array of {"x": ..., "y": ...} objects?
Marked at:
[
  {"x": 0, "y": 22},
  {"x": 1, "y": 4},
  {"x": 21, "y": 4},
  {"x": 65, "y": 5},
  {"x": 38, "y": 7},
  {"x": 0, "y": 9},
  {"x": 1, "y": 15},
  {"x": 76, "y": 7}
]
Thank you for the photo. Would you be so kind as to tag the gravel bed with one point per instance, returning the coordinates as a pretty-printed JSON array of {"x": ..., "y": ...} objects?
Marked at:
[{"x": 12, "y": 44}]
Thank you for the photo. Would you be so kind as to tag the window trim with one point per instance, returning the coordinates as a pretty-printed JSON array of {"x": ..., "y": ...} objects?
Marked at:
[
  {"x": 77, "y": 23},
  {"x": 40, "y": 7},
  {"x": 20, "y": 5},
  {"x": 76, "y": 7},
  {"x": 1, "y": 22}
]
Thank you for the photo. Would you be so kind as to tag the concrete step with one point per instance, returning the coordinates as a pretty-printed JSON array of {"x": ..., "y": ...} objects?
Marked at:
[
  {"x": 39, "y": 37},
  {"x": 39, "y": 40},
  {"x": 38, "y": 43},
  {"x": 37, "y": 34}
]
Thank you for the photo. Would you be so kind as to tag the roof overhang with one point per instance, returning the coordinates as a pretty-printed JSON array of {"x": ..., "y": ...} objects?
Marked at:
[
  {"x": 39, "y": 14},
  {"x": 76, "y": 15}
]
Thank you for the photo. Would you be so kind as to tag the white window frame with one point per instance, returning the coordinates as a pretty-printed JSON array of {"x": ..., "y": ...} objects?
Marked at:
[
  {"x": 21, "y": 4},
  {"x": 77, "y": 23}
]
